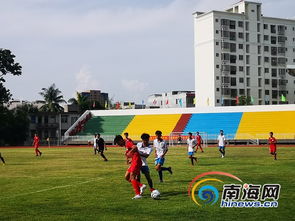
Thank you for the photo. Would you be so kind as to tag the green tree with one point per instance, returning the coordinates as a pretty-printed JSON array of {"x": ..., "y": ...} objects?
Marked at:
[
  {"x": 7, "y": 66},
  {"x": 14, "y": 125},
  {"x": 53, "y": 98},
  {"x": 81, "y": 101},
  {"x": 245, "y": 100}
]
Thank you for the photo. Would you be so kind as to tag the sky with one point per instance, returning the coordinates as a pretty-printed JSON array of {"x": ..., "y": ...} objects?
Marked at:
[{"x": 127, "y": 48}]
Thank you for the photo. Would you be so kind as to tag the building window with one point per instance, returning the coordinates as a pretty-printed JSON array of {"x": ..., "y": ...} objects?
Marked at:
[
  {"x": 258, "y": 38},
  {"x": 217, "y": 101},
  {"x": 259, "y": 82},
  {"x": 259, "y": 60},
  {"x": 232, "y": 36},
  {"x": 241, "y": 24},
  {"x": 217, "y": 54},
  {"x": 247, "y": 59},
  {"x": 259, "y": 49},
  {"x": 216, "y": 20},
  {"x": 247, "y": 70},
  {"x": 266, "y": 48},
  {"x": 273, "y": 29},
  {"x": 274, "y": 72},
  {"x": 232, "y": 24},
  {"x": 247, "y": 37},
  {"x": 217, "y": 89},
  {"x": 259, "y": 71},
  {"x": 265, "y": 26},
  {"x": 241, "y": 80},
  {"x": 241, "y": 47},
  {"x": 247, "y": 48},
  {"x": 273, "y": 40},
  {"x": 217, "y": 43},
  {"x": 266, "y": 82},
  {"x": 242, "y": 91},
  {"x": 258, "y": 27},
  {"x": 266, "y": 59},
  {"x": 241, "y": 57},
  {"x": 64, "y": 118},
  {"x": 266, "y": 92},
  {"x": 217, "y": 66},
  {"x": 266, "y": 70},
  {"x": 241, "y": 68},
  {"x": 233, "y": 81},
  {"x": 265, "y": 37},
  {"x": 217, "y": 77},
  {"x": 241, "y": 35},
  {"x": 217, "y": 31},
  {"x": 248, "y": 82},
  {"x": 247, "y": 26}
]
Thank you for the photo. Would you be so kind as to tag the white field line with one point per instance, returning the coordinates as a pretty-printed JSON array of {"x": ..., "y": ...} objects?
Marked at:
[{"x": 53, "y": 188}]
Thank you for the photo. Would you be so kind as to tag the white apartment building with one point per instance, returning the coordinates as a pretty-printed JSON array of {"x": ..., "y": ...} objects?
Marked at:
[{"x": 240, "y": 52}]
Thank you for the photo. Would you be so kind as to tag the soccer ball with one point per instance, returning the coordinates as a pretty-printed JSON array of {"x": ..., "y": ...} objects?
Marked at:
[{"x": 155, "y": 194}]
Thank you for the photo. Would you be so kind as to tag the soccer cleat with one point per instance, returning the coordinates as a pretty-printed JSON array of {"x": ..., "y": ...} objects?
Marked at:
[
  {"x": 170, "y": 170},
  {"x": 142, "y": 189},
  {"x": 40, "y": 154},
  {"x": 137, "y": 197},
  {"x": 222, "y": 156}
]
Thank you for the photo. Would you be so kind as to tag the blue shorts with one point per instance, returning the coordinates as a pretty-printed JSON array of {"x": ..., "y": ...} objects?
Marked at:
[
  {"x": 191, "y": 153},
  {"x": 222, "y": 147},
  {"x": 145, "y": 169},
  {"x": 160, "y": 161}
]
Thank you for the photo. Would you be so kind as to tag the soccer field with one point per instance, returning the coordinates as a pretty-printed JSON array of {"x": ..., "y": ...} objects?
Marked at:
[{"x": 74, "y": 184}]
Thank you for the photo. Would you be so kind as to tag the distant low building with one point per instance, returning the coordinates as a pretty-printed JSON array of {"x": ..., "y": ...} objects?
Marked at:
[
  {"x": 96, "y": 97},
  {"x": 174, "y": 99},
  {"x": 50, "y": 125}
]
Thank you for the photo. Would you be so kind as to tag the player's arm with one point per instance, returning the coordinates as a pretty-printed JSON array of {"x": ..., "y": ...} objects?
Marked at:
[
  {"x": 166, "y": 150},
  {"x": 132, "y": 150}
]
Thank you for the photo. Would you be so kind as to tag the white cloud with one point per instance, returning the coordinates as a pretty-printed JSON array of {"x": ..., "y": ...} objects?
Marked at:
[{"x": 85, "y": 80}]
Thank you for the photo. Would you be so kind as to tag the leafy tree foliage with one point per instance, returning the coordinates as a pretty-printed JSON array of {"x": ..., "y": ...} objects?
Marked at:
[
  {"x": 53, "y": 98},
  {"x": 7, "y": 66}
]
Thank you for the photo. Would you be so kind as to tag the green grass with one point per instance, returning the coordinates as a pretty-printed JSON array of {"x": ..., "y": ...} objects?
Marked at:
[{"x": 74, "y": 184}]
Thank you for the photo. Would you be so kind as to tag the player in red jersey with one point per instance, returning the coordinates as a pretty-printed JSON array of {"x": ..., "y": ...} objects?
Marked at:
[
  {"x": 199, "y": 142},
  {"x": 272, "y": 145},
  {"x": 36, "y": 144},
  {"x": 133, "y": 171},
  {"x": 128, "y": 142}
]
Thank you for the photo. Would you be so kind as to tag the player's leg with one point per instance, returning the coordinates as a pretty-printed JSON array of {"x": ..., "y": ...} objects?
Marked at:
[
  {"x": 145, "y": 170},
  {"x": 158, "y": 168},
  {"x": 2, "y": 159},
  {"x": 200, "y": 145},
  {"x": 102, "y": 155},
  {"x": 221, "y": 151}
]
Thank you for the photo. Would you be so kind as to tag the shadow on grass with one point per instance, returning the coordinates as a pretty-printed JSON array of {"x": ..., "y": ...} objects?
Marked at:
[{"x": 173, "y": 193}]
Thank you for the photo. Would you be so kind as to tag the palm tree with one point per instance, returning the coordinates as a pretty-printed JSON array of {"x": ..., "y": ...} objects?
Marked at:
[
  {"x": 81, "y": 101},
  {"x": 53, "y": 98}
]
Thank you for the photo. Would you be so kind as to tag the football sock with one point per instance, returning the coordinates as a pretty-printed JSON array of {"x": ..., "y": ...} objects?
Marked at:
[
  {"x": 135, "y": 185},
  {"x": 160, "y": 175},
  {"x": 164, "y": 168},
  {"x": 192, "y": 160}
]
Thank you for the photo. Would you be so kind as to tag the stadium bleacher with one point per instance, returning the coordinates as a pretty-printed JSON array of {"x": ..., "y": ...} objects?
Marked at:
[{"x": 238, "y": 123}]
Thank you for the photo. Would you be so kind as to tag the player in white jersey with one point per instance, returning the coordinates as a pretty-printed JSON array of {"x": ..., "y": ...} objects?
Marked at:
[
  {"x": 192, "y": 143},
  {"x": 144, "y": 150},
  {"x": 221, "y": 143},
  {"x": 95, "y": 144},
  {"x": 160, "y": 151}
]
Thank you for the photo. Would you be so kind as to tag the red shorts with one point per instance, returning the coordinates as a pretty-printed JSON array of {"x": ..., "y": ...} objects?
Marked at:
[{"x": 273, "y": 148}]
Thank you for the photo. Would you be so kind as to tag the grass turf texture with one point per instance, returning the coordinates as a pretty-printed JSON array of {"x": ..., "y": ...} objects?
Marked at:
[{"x": 74, "y": 184}]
